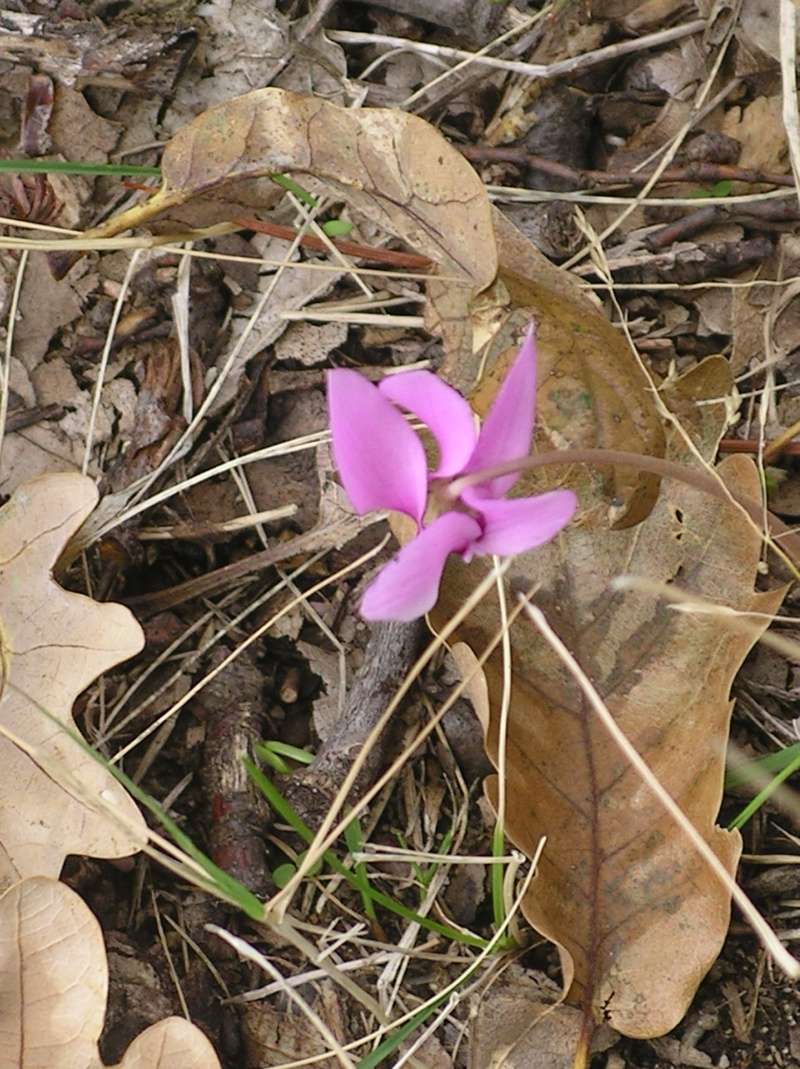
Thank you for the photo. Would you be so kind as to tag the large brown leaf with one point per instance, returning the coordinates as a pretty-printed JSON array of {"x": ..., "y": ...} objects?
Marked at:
[
  {"x": 53, "y": 988},
  {"x": 53, "y": 644},
  {"x": 636, "y": 913}
]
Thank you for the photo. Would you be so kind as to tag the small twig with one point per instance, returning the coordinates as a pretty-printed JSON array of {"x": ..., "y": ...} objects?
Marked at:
[
  {"x": 784, "y": 211},
  {"x": 231, "y": 706},
  {"x": 696, "y": 171},
  {"x": 686, "y": 227},
  {"x": 390, "y": 652},
  {"x": 310, "y": 542},
  {"x": 349, "y": 248},
  {"x": 752, "y": 446},
  {"x": 533, "y": 70},
  {"x": 310, "y": 241},
  {"x": 777, "y": 445},
  {"x": 26, "y": 417}
]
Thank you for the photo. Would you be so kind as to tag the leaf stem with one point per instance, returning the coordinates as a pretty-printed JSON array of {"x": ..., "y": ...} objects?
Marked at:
[
  {"x": 581, "y": 1057},
  {"x": 668, "y": 469}
]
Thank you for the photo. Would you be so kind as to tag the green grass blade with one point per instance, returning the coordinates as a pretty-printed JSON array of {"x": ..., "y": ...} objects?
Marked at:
[
  {"x": 291, "y": 186},
  {"x": 753, "y": 807},
  {"x": 355, "y": 844},
  {"x": 284, "y": 749},
  {"x": 286, "y": 812},
  {"x": 65, "y": 167},
  {"x": 746, "y": 772},
  {"x": 221, "y": 881},
  {"x": 497, "y": 873}
]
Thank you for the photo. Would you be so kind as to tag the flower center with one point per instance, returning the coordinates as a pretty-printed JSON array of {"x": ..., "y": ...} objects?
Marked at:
[{"x": 441, "y": 499}]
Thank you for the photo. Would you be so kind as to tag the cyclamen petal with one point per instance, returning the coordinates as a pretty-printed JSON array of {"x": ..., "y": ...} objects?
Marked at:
[
  {"x": 443, "y": 411},
  {"x": 408, "y": 586},
  {"x": 380, "y": 459},
  {"x": 507, "y": 430},
  {"x": 521, "y": 523}
]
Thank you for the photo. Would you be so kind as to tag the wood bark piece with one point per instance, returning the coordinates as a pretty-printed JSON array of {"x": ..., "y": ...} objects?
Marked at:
[
  {"x": 232, "y": 706},
  {"x": 88, "y": 53},
  {"x": 390, "y": 652}
]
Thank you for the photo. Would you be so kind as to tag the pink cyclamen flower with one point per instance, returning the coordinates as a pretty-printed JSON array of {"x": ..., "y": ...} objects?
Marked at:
[{"x": 383, "y": 466}]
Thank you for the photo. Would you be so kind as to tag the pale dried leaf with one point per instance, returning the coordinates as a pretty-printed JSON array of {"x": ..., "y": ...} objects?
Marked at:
[
  {"x": 173, "y": 1043},
  {"x": 37, "y": 451},
  {"x": 241, "y": 41},
  {"x": 78, "y": 131},
  {"x": 54, "y": 644},
  {"x": 310, "y": 343},
  {"x": 46, "y": 305},
  {"x": 758, "y": 27},
  {"x": 476, "y": 689},
  {"x": 758, "y": 127},
  {"x": 54, "y": 984},
  {"x": 52, "y": 993}
]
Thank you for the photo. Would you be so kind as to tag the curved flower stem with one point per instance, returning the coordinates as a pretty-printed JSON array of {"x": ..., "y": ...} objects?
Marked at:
[{"x": 668, "y": 469}]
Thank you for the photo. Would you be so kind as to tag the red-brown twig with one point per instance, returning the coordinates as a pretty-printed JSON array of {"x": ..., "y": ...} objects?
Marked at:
[
  {"x": 696, "y": 171},
  {"x": 393, "y": 257},
  {"x": 749, "y": 445},
  {"x": 350, "y": 248}
]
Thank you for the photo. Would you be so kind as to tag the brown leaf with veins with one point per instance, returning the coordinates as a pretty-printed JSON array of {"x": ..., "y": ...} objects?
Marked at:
[
  {"x": 637, "y": 915},
  {"x": 53, "y": 644},
  {"x": 394, "y": 168},
  {"x": 53, "y": 989},
  {"x": 592, "y": 391}
]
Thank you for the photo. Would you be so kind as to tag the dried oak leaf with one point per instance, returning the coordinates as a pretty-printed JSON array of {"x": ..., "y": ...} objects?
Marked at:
[
  {"x": 636, "y": 914},
  {"x": 517, "y": 1023},
  {"x": 394, "y": 168},
  {"x": 54, "y": 984},
  {"x": 592, "y": 391},
  {"x": 53, "y": 644}
]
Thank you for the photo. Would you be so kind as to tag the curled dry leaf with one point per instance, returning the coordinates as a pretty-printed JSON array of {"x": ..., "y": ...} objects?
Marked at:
[
  {"x": 637, "y": 915},
  {"x": 53, "y": 988},
  {"x": 53, "y": 645},
  {"x": 394, "y": 168}
]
